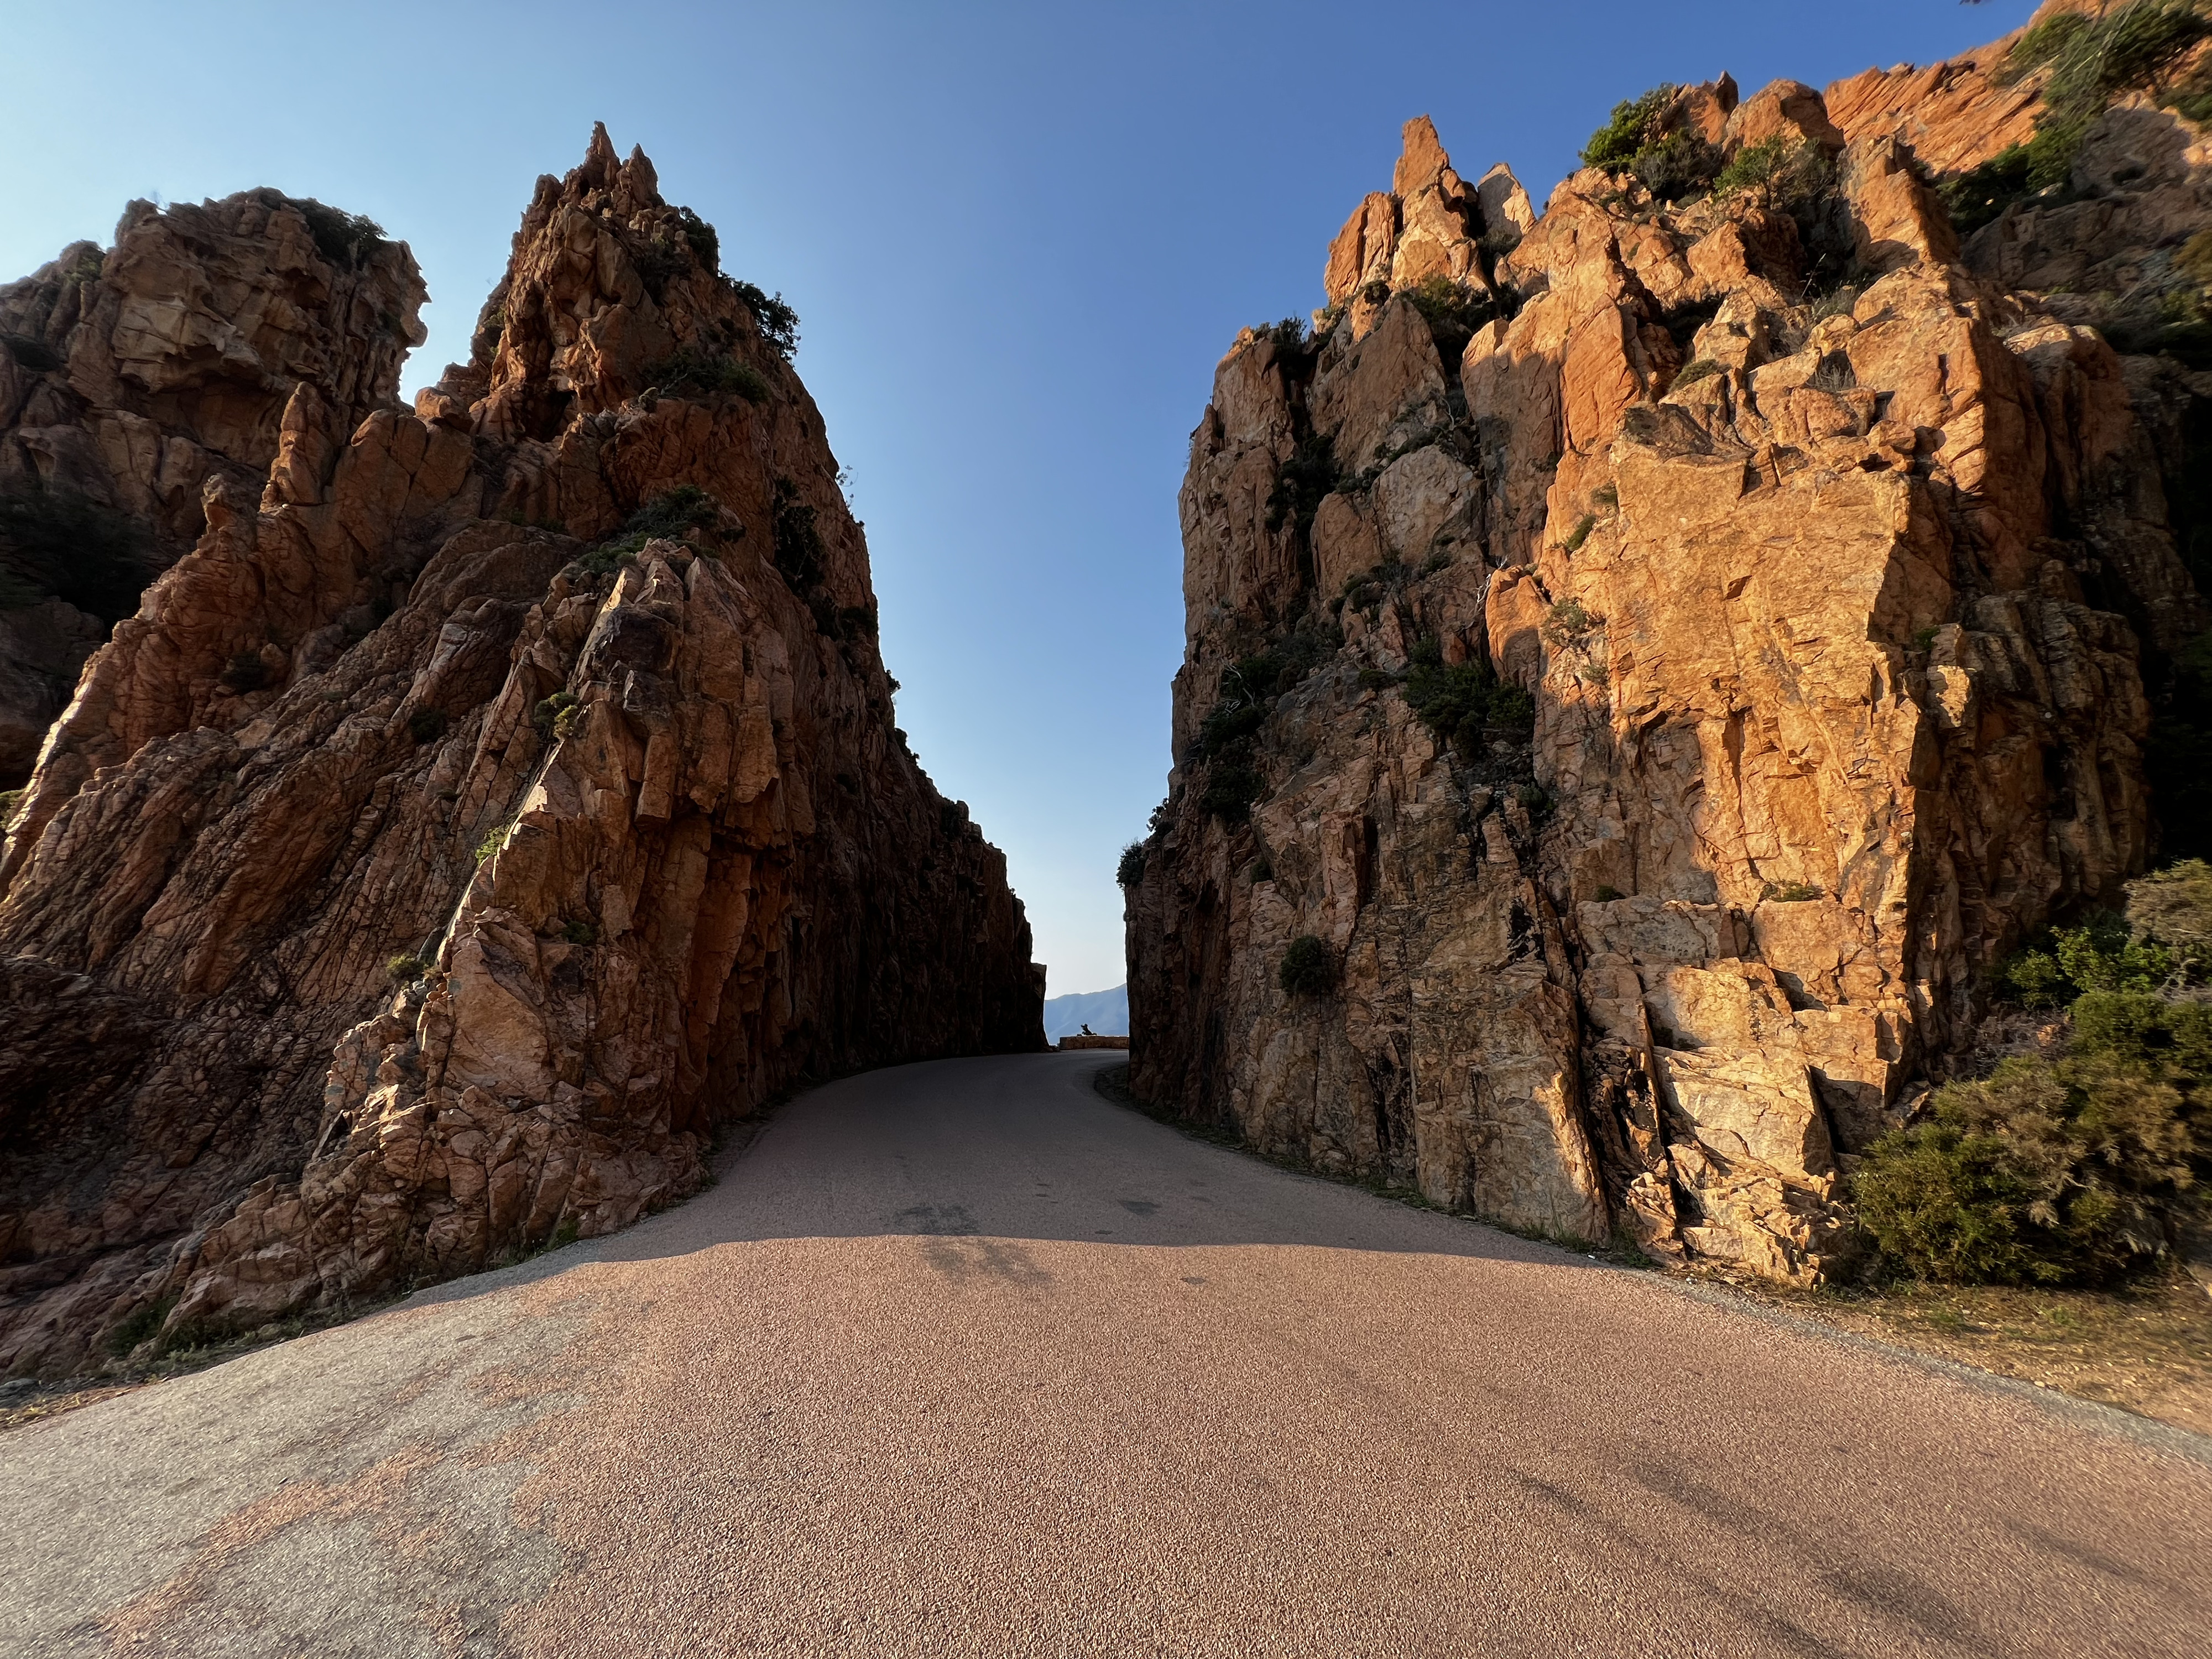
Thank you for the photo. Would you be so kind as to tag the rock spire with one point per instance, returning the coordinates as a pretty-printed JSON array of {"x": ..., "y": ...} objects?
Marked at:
[{"x": 499, "y": 797}]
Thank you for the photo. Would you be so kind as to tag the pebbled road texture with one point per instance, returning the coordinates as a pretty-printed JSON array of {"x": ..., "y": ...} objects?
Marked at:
[{"x": 962, "y": 1360}]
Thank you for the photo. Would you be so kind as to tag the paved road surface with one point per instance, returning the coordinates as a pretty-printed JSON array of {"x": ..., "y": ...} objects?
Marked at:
[{"x": 961, "y": 1360}]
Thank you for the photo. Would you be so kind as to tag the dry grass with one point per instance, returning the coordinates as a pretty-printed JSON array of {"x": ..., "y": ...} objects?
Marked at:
[{"x": 2147, "y": 1349}]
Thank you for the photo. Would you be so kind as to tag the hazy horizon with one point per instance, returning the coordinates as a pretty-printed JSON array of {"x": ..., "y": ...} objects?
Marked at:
[{"x": 1018, "y": 242}]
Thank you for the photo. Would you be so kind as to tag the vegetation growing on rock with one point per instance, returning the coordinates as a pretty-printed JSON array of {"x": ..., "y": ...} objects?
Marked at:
[{"x": 1647, "y": 844}]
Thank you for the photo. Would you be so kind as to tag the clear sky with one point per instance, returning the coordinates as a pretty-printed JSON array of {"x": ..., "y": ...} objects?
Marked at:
[{"x": 1018, "y": 237}]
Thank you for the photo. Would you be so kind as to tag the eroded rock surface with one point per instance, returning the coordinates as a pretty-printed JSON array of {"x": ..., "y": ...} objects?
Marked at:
[
  {"x": 1834, "y": 609},
  {"x": 134, "y": 379},
  {"x": 426, "y": 870}
]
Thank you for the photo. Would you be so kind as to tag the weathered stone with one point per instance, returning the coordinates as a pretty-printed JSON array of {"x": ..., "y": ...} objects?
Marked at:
[
  {"x": 180, "y": 360},
  {"x": 507, "y": 872},
  {"x": 1787, "y": 110},
  {"x": 1836, "y": 652}
]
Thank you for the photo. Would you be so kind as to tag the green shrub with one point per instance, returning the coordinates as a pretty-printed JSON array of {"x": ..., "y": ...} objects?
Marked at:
[
  {"x": 2072, "y": 1172},
  {"x": 1981, "y": 194},
  {"x": 2087, "y": 1168},
  {"x": 402, "y": 968},
  {"x": 1454, "y": 310},
  {"x": 1307, "y": 970},
  {"x": 1262, "y": 868},
  {"x": 343, "y": 238},
  {"x": 427, "y": 725},
  {"x": 139, "y": 1325},
  {"x": 682, "y": 509},
  {"x": 1233, "y": 784},
  {"x": 711, "y": 372},
  {"x": 1670, "y": 165},
  {"x": 1606, "y": 895},
  {"x": 1698, "y": 369},
  {"x": 1615, "y": 145},
  {"x": 1310, "y": 474},
  {"x": 2192, "y": 99},
  {"x": 1247, "y": 684},
  {"x": 2038, "y": 46},
  {"x": 777, "y": 322},
  {"x": 1226, "y": 722},
  {"x": 580, "y": 933},
  {"x": 1789, "y": 892},
  {"x": 492, "y": 838},
  {"x": 1680, "y": 166},
  {"x": 1567, "y": 625},
  {"x": 797, "y": 544},
  {"x": 706, "y": 245},
  {"x": 2092, "y": 62},
  {"x": 659, "y": 262},
  {"x": 1754, "y": 166},
  {"x": 2131, "y": 47},
  {"x": 610, "y": 557},
  {"x": 1131, "y": 870},
  {"x": 555, "y": 716},
  {"x": 2173, "y": 908},
  {"x": 2103, "y": 954},
  {"x": 1580, "y": 533},
  {"x": 1464, "y": 705},
  {"x": 55, "y": 544},
  {"x": 670, "y": 517}
]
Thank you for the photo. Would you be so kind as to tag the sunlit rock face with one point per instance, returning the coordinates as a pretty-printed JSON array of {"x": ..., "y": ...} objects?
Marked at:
[
  {"x": 1833, "y": 556},
  {"x": 428, "y": 869}
]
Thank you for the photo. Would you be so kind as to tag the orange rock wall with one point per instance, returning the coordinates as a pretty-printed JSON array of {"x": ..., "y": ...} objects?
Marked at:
[
  {"x": 1836, "y": 649},
  {"x": 518, "y": 872}
]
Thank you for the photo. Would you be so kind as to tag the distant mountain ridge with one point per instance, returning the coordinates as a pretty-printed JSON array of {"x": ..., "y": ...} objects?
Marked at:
[{"x": 1106, "y": 1012}]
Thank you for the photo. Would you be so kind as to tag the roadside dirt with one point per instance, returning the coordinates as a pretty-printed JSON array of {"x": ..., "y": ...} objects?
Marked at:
[{"x": 2146, "y": 1349}]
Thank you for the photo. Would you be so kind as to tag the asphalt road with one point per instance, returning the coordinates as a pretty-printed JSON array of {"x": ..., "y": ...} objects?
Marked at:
[{"x": 962, "y": 1360}]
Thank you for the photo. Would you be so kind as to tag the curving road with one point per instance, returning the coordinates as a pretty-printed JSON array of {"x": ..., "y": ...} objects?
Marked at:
[{"x": 962, "y": 1359}]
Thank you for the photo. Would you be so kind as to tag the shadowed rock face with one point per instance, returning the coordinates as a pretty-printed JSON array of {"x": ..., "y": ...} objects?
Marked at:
[
  {"x": 637, "y": 827},
  {"x": 1833, "y": 614},
  {"x": 133, "y": 379}
]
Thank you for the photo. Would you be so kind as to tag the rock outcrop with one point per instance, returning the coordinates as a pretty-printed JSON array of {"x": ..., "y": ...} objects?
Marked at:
[
  {"x": 134, "y": 379},
  {"x": 2104, "y": 245},
  {"x": 499, "y": 797},
  {"x": 1637, "y": 687}
]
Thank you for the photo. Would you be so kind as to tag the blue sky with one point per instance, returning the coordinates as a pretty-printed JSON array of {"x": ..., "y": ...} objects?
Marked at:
[{"x": 1018, "y": 238}]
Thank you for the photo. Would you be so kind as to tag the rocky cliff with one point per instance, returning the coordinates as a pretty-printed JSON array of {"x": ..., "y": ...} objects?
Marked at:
[
  {"x": 132, "y": 378},
  {"x": 498, "y": 798},
  {"x": 1647, "y": 660}
]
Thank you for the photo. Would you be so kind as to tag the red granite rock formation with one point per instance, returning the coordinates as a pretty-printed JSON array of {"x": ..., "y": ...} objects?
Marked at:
[
  {"x": 1833, "y": 602},
  {"x": 132, "y": 379},
  {"x": 434, "y": 862}
]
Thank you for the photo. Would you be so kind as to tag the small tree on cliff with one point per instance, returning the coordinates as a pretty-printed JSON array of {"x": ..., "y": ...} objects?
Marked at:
[{"x": 1307, "y": 970}]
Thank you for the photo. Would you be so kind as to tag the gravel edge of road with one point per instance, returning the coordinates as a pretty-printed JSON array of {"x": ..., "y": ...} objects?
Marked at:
[{"x": 2147, "y": 1432}]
